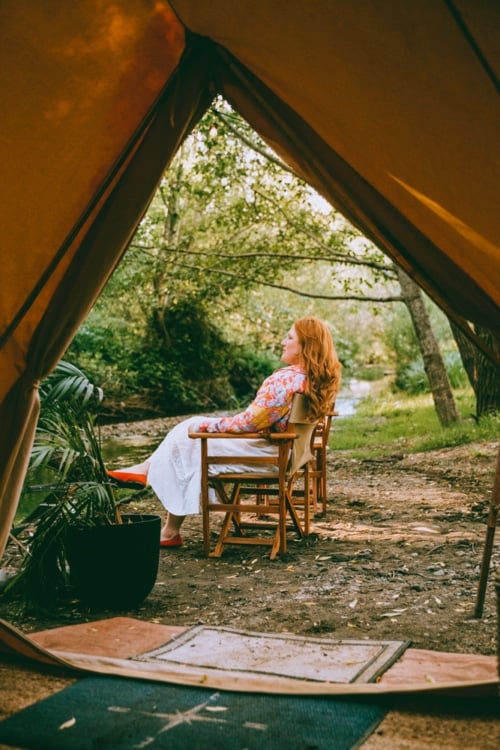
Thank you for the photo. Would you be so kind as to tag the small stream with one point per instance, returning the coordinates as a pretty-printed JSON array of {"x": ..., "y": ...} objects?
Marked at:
[{"x": 350, "y": 395}]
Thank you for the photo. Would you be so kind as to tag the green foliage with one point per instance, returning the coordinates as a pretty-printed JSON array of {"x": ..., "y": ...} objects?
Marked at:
[
  {"x": 392, "y": 423},
  {"x": 412, "y": 377},
  {"x": 66, "y": 444},
  {"x": 400, "y": 337},
  {"x": 66, "y": 440},
  {"x": 228, "y": 219},
  {"x": 187, "y": 365},
  {"x": 233, "y": 248},
  {"x": 247, "y": 371},
  {"x": 105, "y": 347},
  {"x": 370, "y": 373},
  {"x": 456, "y": 371}
]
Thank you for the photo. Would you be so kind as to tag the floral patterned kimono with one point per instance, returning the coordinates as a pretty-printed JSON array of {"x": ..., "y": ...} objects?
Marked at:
[{"x": 175, "y": 466}]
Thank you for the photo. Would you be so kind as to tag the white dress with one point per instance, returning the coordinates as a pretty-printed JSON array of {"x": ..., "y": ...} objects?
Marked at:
[{"x": 175, "y": 466}]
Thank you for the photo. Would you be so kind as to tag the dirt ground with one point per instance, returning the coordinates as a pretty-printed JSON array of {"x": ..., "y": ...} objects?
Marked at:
[{"x": 397, "y": 557}]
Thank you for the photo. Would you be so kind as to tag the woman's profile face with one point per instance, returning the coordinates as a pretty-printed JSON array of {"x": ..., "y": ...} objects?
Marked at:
[{"x": 292, "y": 350}]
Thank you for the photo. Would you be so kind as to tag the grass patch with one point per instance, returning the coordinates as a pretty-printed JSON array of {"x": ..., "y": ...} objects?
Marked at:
[{"x": 389, "y": 423}]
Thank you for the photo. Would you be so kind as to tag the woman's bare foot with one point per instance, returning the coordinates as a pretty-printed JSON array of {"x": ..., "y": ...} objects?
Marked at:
[{"x": 170, "y": 533}]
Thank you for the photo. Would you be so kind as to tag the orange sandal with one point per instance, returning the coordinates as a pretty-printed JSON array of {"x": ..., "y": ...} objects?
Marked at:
[
  {"x": 175, "y": 541},
  {"x": 127, "y": 479}
]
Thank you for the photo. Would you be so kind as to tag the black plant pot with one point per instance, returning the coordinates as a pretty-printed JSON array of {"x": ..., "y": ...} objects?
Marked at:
[{"x": 115, "y": 567}]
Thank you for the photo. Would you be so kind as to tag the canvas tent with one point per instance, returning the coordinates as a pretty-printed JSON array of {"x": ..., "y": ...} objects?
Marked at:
[{"x": 389, "y": 109}]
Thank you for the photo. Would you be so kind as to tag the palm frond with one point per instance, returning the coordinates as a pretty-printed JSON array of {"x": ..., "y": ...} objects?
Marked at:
[{"x": 68, "y": 443}]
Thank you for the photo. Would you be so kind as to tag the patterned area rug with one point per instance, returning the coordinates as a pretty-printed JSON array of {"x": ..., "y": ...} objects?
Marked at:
[
  {"x": 117, "y": 646},
  {"x": 121, "y": 714},
  {"x": 271, "y": 655}
]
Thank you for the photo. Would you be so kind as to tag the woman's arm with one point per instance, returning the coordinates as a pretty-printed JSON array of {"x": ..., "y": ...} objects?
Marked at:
[{"x": 271, "y": 405}]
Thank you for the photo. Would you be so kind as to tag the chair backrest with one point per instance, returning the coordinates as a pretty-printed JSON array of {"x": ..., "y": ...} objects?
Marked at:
[
  {"x": 324, "y": 426},
  {"x": 304, "y": 426}
]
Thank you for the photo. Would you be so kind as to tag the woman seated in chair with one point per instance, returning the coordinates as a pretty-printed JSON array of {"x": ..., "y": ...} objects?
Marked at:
[{"x": 173, "y": 470}]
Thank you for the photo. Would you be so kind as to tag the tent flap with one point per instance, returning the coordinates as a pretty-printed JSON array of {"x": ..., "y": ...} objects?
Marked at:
[{"x": 390, "y": 110}]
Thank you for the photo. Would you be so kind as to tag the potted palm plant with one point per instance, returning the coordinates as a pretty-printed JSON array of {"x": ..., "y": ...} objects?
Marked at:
[{"x": 81, "y": 538}]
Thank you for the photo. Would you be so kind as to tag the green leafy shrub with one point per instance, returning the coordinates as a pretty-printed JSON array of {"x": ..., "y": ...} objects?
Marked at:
[
  {"x": 370, "y": 372},
  {"x": 412, "y": 378},
  {"x": 247, "y": 370},
  {"x": 455, "y": 369}
]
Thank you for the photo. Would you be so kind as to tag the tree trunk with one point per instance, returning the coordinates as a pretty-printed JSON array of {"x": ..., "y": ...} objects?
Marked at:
[
  {"x": 433, "y": 362},
  {"x": 484, "y": 376}
]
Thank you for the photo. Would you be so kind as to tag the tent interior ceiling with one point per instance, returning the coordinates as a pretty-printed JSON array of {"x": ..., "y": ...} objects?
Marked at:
[
  {"x": 389, "y": 89},
  {"x": 390, "y": 110}
]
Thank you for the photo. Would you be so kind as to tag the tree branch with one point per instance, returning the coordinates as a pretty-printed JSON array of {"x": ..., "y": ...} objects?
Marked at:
[
  {"x": 301, "y": 229},
  {"x": 255, "y": 147},
  {"x": 334, "y": 254},
  {"x": 260, "y": 282},
  {"x": 337, "y": 257}
]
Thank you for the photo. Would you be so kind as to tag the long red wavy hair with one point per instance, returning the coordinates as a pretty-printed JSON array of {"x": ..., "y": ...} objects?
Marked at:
[{"x": 322, "y": 366}]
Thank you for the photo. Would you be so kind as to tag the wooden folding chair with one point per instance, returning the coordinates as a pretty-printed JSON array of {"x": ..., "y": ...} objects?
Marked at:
[
  {"x": 260, "y": 504},
  {"x": 320, "y": 448}
]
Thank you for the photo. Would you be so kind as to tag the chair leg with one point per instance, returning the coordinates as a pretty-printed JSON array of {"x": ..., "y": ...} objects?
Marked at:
[
  {"x": 219, "y": 545},
  {"x": 204, "y": 498},
  {"x": 323, "y": 499},
  {"x": 276, "y": 546},
  {"x": 232, "y": 517},
  {"x": 282, "y": 519}
]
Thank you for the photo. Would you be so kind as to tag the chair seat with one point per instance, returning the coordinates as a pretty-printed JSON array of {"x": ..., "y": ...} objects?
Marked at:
[{"x": 260, "y": 507}]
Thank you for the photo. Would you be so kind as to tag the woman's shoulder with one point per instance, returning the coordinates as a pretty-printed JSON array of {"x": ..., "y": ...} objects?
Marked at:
[
  {"x": 288, "y": 373},
  {"x": 289, "y": 369}
]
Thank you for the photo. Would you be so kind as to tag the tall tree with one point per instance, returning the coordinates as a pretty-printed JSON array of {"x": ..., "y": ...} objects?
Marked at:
[{"x": 435, "y": 369}]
